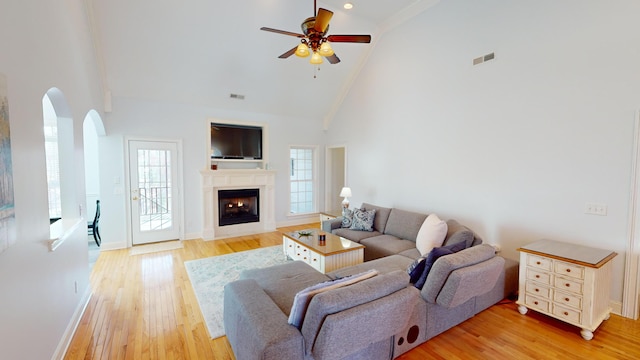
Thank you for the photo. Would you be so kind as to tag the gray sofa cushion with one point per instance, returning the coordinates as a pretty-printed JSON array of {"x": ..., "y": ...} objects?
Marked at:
[
  {"x": 404, "y": 224},
  {"x": 457, "y": 233},
  {"x": 382, "y": 215},
  {"x": 282, "y": 282},
  {"x": 355, "y": 235},
  {"x": 411, "y": 253},
  {"x": 385, "y": 245}
]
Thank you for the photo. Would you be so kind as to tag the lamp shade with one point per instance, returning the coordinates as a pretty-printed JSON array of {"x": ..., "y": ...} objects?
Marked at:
[
  {"x": 302, "y": 50},
  {"x": 345, "y": 192},
  {"x": 316, "y": 59},
  {"x": 325, "y": 49}
]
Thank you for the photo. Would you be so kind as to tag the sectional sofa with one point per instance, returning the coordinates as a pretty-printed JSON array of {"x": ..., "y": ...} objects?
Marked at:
[{"x": 378, "y": 318}]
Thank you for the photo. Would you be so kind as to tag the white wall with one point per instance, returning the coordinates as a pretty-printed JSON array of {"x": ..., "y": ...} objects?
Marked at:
[
  {"x": 43, "y": 46},
  {"x": 154, "y": 120},
  {"x": 514, "y": 147}
]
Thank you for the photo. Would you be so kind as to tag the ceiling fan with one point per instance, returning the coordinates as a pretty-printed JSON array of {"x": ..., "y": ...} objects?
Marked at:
[{"x": 314, "y": 41}]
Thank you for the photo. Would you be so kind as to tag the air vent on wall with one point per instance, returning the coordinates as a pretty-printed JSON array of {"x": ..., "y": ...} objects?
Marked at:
[
  {"x": 484, "y": 58},
  {"x": 237, "y": 96}
]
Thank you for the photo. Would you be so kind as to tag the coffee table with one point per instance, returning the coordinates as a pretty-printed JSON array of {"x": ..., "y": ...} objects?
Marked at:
[{"x": 334, "y": 253}]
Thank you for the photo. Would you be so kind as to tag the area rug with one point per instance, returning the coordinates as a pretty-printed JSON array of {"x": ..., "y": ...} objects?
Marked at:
[
  {"x": 208, "y": 277},
  {"x": 157, "y": 247}
]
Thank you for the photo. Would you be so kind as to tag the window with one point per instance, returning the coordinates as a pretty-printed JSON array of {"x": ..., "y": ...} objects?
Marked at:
[{"x": 303, "y": 183}]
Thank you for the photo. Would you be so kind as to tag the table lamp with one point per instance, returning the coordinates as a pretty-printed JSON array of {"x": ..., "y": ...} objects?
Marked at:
[{"x": 345, "y": 193}]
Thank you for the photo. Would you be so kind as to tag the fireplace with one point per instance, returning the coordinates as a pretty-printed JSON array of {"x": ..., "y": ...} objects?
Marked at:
[
  {"x": 234, "y": 179},
  {"x": 238, "y": 206}
]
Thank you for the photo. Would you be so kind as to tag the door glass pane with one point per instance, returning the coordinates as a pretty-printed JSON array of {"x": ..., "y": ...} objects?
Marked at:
[{"x": 154, "y": 185}]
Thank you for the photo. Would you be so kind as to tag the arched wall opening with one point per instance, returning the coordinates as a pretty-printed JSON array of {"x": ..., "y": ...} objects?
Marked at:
[{"x": 59, "y": 151}]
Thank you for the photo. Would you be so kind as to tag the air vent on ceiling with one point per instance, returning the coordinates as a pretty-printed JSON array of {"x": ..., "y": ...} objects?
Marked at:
[
  {"x": 484, "y": 58},
  {"x": 237, "y": 96}
]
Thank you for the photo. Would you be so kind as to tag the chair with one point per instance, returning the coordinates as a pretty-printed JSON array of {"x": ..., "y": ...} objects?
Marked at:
[{"x": 93, "y": 227}]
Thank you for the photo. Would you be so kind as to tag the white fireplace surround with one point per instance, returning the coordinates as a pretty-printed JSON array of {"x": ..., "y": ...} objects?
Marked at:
[{"x": 226, "y": 179}]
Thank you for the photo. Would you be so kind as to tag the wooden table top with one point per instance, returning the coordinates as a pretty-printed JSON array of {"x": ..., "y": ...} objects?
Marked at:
[
  {"x": 333, "y": 244},
  {"x": 572, "y": 253}
]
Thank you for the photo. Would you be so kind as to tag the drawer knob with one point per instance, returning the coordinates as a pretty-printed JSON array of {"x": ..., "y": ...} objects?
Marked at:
[
  {"x": 566, "y": 299},
  {"x": 537, "y": 262},
  {"x": 566, "y": 313},
  {"x": 535, "y": 302},
  {"x": 315, "y": 259},
  {"x": 305, "y": 258},
  {"x": 567, "y": 285},
  {"x": 537, "y": 290},
  {"x": 537, "y": 276},
  {"x": 568, "y": 270}
]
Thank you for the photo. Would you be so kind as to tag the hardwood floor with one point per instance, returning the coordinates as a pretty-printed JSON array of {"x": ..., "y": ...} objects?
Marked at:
[{"x": 143, "y": 307}]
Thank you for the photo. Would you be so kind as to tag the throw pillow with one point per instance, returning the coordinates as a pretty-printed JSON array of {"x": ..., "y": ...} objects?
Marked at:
[
  {"x": 431, "y": 234},
  {"x": 363, "y": 219},
  {"x": 303, "y": 298},
  {"x": 415, "y": 269},
  {"x": 347, "y": 217},
  {"x": 434, "y": 255}
]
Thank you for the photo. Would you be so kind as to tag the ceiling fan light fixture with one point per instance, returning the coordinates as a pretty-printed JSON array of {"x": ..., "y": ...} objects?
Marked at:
[
  {"x": 316, "y": 59},
  {"x": 302, "y": 50},
  {"x": 325, "y": 49}
]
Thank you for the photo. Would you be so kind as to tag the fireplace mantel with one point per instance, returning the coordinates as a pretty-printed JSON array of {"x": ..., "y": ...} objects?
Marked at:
[{"x": 227, "y": 179}]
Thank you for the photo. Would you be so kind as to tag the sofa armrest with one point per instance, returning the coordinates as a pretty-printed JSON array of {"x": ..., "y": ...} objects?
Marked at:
[
  {"x": 329, "y": 225},
  {"x": 255, "y": 327},
  {"x": 471, "y": 281},
  {"x": 446, "y": 265}
]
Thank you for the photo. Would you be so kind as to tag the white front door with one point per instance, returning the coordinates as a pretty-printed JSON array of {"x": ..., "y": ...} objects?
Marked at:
[{"x": 154, "y": 197}]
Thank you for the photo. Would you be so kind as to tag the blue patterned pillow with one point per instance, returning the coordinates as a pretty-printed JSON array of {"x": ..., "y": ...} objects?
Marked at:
[
  {"x": 347, "y": 217},
  {"x": 363, "y": 219}
]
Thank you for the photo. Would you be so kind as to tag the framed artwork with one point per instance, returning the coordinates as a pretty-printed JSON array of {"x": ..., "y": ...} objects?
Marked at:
[{"x": 7, "y": 212}]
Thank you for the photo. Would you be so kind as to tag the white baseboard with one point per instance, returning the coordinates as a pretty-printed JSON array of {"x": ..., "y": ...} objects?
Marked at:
[
  {"x": 64, "y": 343},
  {"x": 192, "y": 236},
  {"x": 113, "y": 246},
  {"x": 616, "y": 307}
]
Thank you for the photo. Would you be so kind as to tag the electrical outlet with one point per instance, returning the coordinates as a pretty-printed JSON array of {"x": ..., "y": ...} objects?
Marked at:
[{"x": 595, "y": 209}]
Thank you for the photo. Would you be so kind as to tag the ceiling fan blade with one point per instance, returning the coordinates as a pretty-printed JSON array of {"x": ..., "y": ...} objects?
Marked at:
[
  {"x": 282, "y": 32},
  {"x": 322, "y": 20},
  {"x": 333, "y": 59},
  {"x": 288, "y": 53},
  {"x": 350, "y": 38}
]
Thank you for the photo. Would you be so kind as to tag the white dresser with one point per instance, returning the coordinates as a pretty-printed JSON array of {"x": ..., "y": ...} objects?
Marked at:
[{"x": 566, "y": 281}]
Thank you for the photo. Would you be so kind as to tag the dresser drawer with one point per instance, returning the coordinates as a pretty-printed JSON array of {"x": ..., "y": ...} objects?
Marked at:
[
  {"x": 538, "y": 276},
  {"x": 567, "y": 314},
  {"x": 537, "y": 303},
  {"x": 539, "y": 262},
  {"x": 570, "y": 270},
  {"x": 568, "y": 299},
  {"x": 564, "y": 284},
  {"x": 537, "y": 290}
]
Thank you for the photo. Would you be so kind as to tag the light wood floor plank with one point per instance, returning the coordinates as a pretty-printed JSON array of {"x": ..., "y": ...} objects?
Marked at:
[{"x": 143, "y": 307}]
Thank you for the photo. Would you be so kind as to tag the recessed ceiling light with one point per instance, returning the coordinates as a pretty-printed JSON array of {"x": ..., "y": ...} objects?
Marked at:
[{"x": 348, "y": 6}]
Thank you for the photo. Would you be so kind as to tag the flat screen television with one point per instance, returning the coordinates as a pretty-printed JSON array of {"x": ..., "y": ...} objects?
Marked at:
[{"x": 236, "y": 142}]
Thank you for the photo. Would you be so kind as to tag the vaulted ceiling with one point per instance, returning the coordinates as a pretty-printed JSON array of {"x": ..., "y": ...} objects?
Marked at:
[{"x": 199, "y": 52}]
